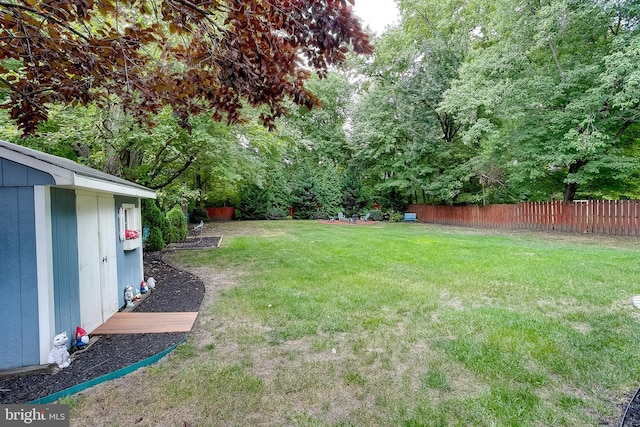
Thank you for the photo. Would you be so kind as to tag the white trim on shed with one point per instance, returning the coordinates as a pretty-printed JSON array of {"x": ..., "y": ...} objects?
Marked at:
[{"x": 69, "y": 174}]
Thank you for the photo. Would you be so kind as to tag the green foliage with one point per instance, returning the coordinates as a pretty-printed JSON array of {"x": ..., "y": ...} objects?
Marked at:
[
  {"x": 222, "y": 198},
  {"x": 321, "y": 131},
  {"x": 254, "y": 203},
  {"x": 543, "y": 99},
  {"x": 353, "y": 198},
  {"x": 406, "y": 148},
  {"x": 395, "y": 216},
  {"x": 160, "y": 230},
  {"x": 480, "y": 333},
  {"x": 155, "y": 241},
  {"x": 483, "y": 102},
  {"x": 178, "y": 193},
  {"x": 376, "y": 215},
  {"x": 206, "y": 165},
  {"x": 306, "y": 197},
  {"x": 328, "y": 186},
  {"x": 276, "y": 213},
  {"x": 178, "y": 222},
  {"x": 198, "y": 214}
]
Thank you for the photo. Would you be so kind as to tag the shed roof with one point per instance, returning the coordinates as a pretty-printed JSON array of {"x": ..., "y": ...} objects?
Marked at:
[{"x": 67, "y": 173}]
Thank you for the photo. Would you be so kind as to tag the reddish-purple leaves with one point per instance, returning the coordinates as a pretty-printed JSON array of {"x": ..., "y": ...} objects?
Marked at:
[{"x": 194, "y": 55}]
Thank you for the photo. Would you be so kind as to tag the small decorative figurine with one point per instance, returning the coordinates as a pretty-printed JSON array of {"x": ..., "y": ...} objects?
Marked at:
[
  {"x": 59, "y": 354},
  {"x": 151, "y": 283},
  {"x": 143, "y": 287},
  {"x": 82, "y": 338},
  {"x": 137, "y": 295},
  {"x": 128, "y": 295}
]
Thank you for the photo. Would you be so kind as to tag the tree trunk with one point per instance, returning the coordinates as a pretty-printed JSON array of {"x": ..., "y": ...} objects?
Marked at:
[
  {"x": 199, "y": 186},
  {"x": 570, "y": 188},
  {"x": 570, "y": 191}
]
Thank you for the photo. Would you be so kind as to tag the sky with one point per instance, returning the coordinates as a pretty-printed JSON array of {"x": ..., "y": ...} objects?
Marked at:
[{"x": 377, "y": 13}]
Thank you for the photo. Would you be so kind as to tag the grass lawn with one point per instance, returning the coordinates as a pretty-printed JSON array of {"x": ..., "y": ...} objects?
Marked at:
[{"x": 400, "y": 325}]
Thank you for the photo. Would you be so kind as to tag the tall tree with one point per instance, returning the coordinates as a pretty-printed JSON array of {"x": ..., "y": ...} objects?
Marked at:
[
  {"x": 193, "y": 56},
  {"x": 536, "y": 93},
  {"x": 321, "y": 131},
  {"x": 411, "y": 149}
]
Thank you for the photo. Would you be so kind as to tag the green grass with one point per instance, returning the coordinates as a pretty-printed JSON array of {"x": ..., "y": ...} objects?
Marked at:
[
  {"x": 450, "y": 326},
  {"x": 412, "y": 325}
]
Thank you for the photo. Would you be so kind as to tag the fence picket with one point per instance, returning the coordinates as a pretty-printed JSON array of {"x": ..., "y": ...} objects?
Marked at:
[{"x": 606, "y": 217}]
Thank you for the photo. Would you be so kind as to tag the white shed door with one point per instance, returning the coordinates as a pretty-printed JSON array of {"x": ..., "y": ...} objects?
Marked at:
[
  {"x": 97, "y": 260},
  {"x": 109, "y": 273}
]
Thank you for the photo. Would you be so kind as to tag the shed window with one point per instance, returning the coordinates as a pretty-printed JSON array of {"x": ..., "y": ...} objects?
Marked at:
[{"x": 130, "y": 223}]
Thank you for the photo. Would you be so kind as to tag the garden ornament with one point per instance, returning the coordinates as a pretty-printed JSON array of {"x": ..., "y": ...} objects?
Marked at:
[
  {"x": 82, "y": 338},
  {"x": 151, "y": 283},
  {"x": 128, "y": 295},
  {"x": 59, "y": 354}
]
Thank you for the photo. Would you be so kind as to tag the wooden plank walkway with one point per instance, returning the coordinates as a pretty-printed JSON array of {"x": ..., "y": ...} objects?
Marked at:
[{"x": 146, "y": 322}]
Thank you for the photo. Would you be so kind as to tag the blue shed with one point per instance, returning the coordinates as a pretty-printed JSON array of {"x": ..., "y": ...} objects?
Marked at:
[{"x": 68, "y": 248}]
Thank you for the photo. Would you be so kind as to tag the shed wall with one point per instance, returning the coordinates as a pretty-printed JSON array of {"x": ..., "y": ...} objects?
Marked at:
[
  {"x": 66, "y": 280},
  {"x": 19, "y": 333},
  {"x": 13, "y": 174},
  {"x": 130, "y": 270}
]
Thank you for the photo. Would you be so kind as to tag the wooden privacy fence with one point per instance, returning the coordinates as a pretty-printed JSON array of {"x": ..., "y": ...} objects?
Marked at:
[{"x": 612, "y": 217}]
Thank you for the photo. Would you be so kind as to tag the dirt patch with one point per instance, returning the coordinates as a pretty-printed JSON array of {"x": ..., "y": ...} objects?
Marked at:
[
  {"x": 357, "y": 222},
  {"x": 197, "y": 243},
  {"x": 241, "y": 228},
  {"x": 214, "y": 282},
  {"x": 451, "y": 301},
  {"x": 582, "y": 327}
]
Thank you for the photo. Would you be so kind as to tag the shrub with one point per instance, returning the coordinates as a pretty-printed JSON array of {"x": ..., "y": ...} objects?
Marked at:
[
  {"x": 305, "y": 200},
  {"x": 153, "y": 217},
  {"x": 376, "y": 215},
  {"x": 198, "y": 214},
  {"x": 178, "y": 224},
  {"x": 329, "y": 196},
  {"x": 276, "y": 213},
  {"x": 353, "y": 197},
  {"x": 253, "y": 203},
  {"x": 319, "y": 214},
  {"x": 154, "y": 241},
  {"x": 396, "y": 217}
]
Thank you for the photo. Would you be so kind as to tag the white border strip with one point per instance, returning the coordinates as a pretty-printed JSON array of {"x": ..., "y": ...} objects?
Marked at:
[{"x": 44, "y": 269}]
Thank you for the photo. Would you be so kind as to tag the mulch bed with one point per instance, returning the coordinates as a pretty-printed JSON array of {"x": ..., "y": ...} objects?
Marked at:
[
  {"x": 197, "y": 243},
  {"x": 631, "y": 416},
  {"x": 175, "y": 291}
]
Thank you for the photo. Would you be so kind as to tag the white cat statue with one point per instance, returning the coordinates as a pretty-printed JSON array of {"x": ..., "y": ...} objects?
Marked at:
[
  {"x": 59, "y": 354},
  {"x": 128, "y": 295}
]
